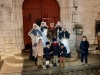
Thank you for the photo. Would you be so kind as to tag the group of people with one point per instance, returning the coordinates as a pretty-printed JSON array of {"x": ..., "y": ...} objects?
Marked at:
[
  {"x": 53, "y": 42},
  {"x": 50, "y": 51}
]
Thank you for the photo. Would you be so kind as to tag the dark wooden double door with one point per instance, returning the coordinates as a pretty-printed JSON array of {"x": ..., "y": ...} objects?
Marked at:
[{"x": 35, "y": 11}]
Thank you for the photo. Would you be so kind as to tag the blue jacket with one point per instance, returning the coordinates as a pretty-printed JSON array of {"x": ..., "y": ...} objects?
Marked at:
[
  {"x": 84, "y": 45},
  {"x": 47, "y": 52},
  {"x": 63, "y": 52}
]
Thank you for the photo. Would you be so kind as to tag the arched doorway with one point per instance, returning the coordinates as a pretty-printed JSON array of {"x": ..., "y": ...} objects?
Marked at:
[{"x": 37, "y": 11}]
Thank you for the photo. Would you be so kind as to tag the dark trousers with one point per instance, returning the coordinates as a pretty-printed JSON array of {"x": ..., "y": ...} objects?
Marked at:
[{"x": 84, "y": 57}]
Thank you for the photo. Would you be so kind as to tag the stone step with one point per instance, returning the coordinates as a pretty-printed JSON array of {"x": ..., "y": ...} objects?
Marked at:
[
  {"x": 58, "y": 71},
  {"x": 92, "y": 46},
  {"x": 12, "y": 61},
  {"x": 23, "y": 55},
  {"x": 74, "y": 56}
]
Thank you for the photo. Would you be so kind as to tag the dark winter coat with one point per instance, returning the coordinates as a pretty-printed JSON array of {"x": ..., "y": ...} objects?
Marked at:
[
  {"x": 61, "y": 35},
  {"x": 47, "y": 52},
  {"x": 84, "y": 45},
  {"x": 63, "y": 52},
  {"x": 51, "y": 34},
  {"x": 55, "y": 49},
  {"x": 42, "y": 28}
]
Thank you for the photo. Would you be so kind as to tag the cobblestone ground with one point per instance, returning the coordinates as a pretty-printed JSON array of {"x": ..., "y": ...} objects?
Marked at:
[{"x": 81, "y": 72}]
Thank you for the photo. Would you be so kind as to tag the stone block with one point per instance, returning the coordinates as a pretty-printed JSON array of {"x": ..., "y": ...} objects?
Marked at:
[
  {"x": 7, "y": 8},
  {"x": 7, "y": 46},
  {"x": 1, "y": 40},
  {"x": 8, "y": 26},
  {"x": 0, "y": 16},
  {"x": 1, "y": 2},
  {"x": 72, "y": 43},
  {"x": 6, "y": 16},
  {"x": 72, "y": 36},
  {"x": 7, "y": 2},
  {"x": 87, "y": 31},
  {"x": 13, "y": 16},
  {"x": 9, "y": 40},
  {"x": 1, "y": 26}
]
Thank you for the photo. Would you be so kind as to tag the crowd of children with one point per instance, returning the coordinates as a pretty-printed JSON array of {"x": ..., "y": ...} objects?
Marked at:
[{"x": 50, "y": 51}]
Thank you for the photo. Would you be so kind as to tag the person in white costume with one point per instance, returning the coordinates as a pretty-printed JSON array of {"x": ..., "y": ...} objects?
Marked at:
[
  {"x": 59, "y": 29},
  {"x": 64, "y": 38},
  {"x": 35, "y": 34},
  {"x": 43, "y": 29}
]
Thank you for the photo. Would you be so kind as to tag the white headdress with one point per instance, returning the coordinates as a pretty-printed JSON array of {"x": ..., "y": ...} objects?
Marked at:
[
  {"x": 58, "y": 23},
  {"x": 64, "y": 27},
  {"x": 34, "y": 24},
  {"x": 44, "y": 23}
]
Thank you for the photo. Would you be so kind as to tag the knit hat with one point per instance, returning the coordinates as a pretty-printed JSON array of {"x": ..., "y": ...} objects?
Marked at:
[
  {"x": 47, "y": 43},
  {"x": 54, "y": 40},
  {"x": 61, "y": 44}
]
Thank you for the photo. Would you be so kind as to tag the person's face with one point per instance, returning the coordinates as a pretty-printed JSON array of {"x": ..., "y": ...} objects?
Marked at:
[
  {"x": 51, "y": 25},
  {"x": 84, "y": 39},
  {"x": 64, "y": 29},
  {"x": 42, "y": 24},
  {"x": 58, "y": 25},
  {"x": 55, "y": 41},
  {"x": 40, "y": 41},
  {"x": 48, "y": 45},
  {"x": 61, "y": 47},
  {"x": 34, "y": 27}
]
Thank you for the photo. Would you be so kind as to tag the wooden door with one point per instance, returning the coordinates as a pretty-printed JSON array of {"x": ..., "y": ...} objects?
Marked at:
[{"x": 35, "y": 11}]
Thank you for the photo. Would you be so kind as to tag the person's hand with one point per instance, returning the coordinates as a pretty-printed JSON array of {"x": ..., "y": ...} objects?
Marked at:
[{"x": 38, "y": 36}]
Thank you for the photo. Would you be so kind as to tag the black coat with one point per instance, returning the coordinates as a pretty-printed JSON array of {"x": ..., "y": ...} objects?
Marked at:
[
  {"x": 63, "y": 52},
  {"x": 47, "y": 52},
  {"x": 60, "y": 28},
  {"x": 84, "y": 45},
  {"x": 42, "y": 28},
  {"x": 55, "y": 49},
  {"x": 61, "y": 35}
]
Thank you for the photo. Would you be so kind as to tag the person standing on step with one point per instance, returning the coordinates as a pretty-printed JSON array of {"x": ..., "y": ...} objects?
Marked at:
[
  {"x": 55, "y": 51},
  {"x": 43, "y": 29},
  {"x": 63, "y": 53},
  {"x": 64, "y": 37},
  {"x": 58, "y": 29},
  {"x": 34, "y": 34},
  {"x": 84, "y": 45},
  {"x": 47, "y": 54},
  {"x": 51, "y": 33},
  {"x": 39, "y": 53}
]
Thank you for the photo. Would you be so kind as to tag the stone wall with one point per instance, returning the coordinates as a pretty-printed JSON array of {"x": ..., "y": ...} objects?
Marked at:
[
  {"x": 84, "y": 12},
  {"x": 11, "y": 27}
]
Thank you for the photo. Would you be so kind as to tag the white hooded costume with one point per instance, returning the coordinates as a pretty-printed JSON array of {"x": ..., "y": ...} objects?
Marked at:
[{"x": 43, "y": 29}]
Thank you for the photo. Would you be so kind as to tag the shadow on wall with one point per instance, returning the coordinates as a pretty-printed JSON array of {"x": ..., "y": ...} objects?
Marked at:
[{"x": 1, "y": 64}]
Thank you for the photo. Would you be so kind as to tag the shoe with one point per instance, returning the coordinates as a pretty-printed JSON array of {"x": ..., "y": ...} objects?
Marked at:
[
  {"x": 38, "y": 68},
  {"x": 81, "y": 63},
  {"x": 54, "y": 65},
  {"x": 86, "y": 65},
  {"x": 47, "y": 66}
]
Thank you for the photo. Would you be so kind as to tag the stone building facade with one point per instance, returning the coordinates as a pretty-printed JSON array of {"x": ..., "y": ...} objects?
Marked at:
[{"x": 84, "y": 12}]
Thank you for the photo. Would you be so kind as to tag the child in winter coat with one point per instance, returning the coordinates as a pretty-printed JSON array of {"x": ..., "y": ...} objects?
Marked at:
[
  {"x": 39, "y": 53},
  {"x": 55, "y": 50},
  {"x": 63, "y": 53},
  {"x": 47, "y": 54}
]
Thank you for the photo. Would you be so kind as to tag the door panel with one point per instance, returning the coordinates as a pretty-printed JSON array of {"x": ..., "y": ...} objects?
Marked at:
[{"x": 36, "y": 10}]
